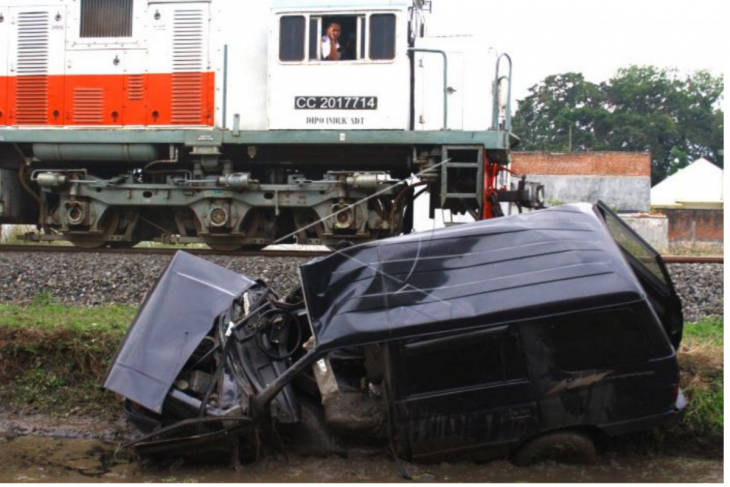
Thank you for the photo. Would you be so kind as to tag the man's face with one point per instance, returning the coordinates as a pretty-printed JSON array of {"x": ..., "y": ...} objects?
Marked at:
[{"x": 334, "y": 31}]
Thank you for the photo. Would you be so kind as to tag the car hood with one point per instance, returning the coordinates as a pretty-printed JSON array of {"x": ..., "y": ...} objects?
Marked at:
[{"x": 174, "y": 318}]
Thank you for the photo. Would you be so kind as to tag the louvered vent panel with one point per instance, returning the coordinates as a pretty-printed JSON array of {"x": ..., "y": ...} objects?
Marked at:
[
  {"x": 188, "y": 60},
  {"x": 88, "y": 105},
  {"x": 136, "y": 87},
  {"x": 106, "y": 18},
  {"x": 32, "y": 68}
]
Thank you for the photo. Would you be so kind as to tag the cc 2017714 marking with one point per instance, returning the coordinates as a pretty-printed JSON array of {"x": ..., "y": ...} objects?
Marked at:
[{"x": 336, "y": 103}]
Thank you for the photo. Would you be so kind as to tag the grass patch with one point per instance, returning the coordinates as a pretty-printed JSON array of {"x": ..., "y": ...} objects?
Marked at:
[
  {"x": 701, "y": 358},
  {"x": 45, "y": 314},
  {"x": 53, "y": 357}
]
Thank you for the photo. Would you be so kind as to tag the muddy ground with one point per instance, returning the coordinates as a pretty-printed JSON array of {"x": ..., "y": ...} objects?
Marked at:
[{"x": 44, "y": 449}]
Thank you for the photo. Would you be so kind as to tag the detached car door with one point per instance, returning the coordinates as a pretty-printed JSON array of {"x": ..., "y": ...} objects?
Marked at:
[{"x": 454, "y": 394}]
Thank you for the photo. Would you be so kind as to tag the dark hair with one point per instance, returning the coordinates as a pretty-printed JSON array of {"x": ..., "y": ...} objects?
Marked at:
[{"x": 333, "y": 22}]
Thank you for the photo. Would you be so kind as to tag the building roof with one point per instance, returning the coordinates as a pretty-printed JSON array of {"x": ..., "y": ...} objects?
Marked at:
[
  {"x": 467, "y": 276},
  {"x": 699, "y": 185}
]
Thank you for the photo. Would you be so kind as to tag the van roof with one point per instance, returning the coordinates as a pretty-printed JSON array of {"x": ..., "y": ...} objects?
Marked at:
[{"x": 473, "y": 275}]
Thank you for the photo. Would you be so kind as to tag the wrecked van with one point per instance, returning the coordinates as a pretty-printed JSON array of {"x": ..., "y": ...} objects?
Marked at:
[{"x": 530, "y": 336}]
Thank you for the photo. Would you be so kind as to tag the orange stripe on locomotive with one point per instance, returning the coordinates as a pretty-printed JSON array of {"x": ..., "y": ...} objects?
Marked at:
[{"x": 111, "y": 100}]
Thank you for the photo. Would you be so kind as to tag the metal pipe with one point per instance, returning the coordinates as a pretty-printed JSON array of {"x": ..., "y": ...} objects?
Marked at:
[
  {"x": 446, "y": 79},
  {"x": 508, "y": 110},
  {"x": 24, "y": 184},
  {"x": 172, "y": 160}
]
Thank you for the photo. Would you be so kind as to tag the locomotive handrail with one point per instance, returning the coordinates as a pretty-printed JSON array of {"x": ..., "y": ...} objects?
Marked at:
[
  {"x": 446, "y": 79},
  {"x": 508, "y": 108},
  {"x": 224, "y": 125}
]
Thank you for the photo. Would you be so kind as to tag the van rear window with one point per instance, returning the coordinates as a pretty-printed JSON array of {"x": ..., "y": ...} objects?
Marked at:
[{"x": 598, "y": 340}]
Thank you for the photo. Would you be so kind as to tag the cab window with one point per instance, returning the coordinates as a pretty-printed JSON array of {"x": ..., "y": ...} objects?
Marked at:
[
  {"x": 382, "y": 37},
  {"x": 291, "y": 38},
  {"x": 345, "y": 28},
  {"x": 356, "y": 38}
]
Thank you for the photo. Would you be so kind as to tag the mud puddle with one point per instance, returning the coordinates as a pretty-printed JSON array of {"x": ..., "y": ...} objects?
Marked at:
[{"x": 42, "y": 459}]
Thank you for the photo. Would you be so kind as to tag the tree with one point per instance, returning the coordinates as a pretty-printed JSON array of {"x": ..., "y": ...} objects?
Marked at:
[
  {"x": 643, "y": 108},
  {"x": 560, "y": 114}
]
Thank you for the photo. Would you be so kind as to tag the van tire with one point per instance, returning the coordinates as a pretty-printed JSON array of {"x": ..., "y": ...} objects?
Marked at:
[{"x": 561, "y": 446}]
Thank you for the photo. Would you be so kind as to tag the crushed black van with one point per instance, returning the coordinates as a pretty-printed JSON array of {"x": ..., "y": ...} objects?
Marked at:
[{"x": 526, "y": 335}]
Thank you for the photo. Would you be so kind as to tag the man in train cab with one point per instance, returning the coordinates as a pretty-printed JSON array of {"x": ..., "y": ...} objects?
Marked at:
[{"x": 331, "y": 42}]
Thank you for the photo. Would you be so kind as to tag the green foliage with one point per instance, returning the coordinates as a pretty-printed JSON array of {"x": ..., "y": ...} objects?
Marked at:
[
  {"x": 709, "y": 331},
  {"x": 701, "y": 360},
  {"x": 642, "y": 108},
  {"x": 706, "y": 409}
]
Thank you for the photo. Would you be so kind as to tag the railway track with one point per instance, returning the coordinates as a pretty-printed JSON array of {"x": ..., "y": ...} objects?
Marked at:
[
  {"x": 669, "y": 259},
  {"x": 160, "y": 251}
]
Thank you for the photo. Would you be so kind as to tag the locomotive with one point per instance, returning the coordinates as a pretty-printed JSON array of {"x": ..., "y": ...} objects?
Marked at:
[{"x": 228, "y": 123}]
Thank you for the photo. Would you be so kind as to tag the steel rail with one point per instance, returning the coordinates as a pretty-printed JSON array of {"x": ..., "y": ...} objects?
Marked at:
[
  {"x": 668, "y": 259},
  {"x": 304, "y": 254}
]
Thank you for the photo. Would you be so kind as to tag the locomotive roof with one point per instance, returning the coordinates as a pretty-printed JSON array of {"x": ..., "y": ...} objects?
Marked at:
[
  {"x": 525, "y": 266},
  {"x": 340, "y": 4}
]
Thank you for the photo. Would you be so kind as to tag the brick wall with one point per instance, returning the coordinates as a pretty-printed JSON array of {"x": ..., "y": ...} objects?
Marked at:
[
  {"x": 583, "y": 163},
  {"x": 620, "y": 179},
  {"x": 695, "y": 225}
]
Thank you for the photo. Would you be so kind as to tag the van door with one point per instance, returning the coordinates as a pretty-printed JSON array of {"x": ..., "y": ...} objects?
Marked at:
[{"x": 460, "y": 393}]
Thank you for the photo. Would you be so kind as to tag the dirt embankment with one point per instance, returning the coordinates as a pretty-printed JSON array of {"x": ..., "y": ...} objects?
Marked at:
[{"x": 49, "y": 386}]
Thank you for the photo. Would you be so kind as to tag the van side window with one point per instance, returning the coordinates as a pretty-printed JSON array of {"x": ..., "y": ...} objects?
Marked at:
[
  {"x": 291, "y": 38},
  {"x": 382, "y": 37},
  {"x": 106, "y": 18},
  {"x": 456, "y": 362},
  {"x": 598, "y": 340}
]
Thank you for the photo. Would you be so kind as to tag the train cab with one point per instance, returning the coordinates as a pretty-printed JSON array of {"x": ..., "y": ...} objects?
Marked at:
[{"x": 340, "y": 68}]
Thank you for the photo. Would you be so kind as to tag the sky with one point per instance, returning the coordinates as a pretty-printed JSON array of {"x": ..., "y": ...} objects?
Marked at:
[
  {"x": 592, "y": 37},
  {"x": 596, "y": 38}
]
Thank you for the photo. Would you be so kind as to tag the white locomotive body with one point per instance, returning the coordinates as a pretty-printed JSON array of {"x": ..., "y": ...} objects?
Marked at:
[{"x": 225, "y": 122}]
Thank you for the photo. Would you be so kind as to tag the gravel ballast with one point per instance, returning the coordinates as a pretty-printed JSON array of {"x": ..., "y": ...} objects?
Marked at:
[{"x": 94, "y": 279}]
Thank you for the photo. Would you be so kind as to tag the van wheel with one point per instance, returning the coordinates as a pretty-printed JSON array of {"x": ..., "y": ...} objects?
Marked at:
[{"x": 561, "y": 446}]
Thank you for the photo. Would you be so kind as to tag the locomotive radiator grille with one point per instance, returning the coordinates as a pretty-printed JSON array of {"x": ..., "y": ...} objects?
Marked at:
[
  {"x": 136, "y": 87},
  {"x": 89, "y": 105},
  {"x": 32, "y": 67},
  {"x": 187, "y": 66}
]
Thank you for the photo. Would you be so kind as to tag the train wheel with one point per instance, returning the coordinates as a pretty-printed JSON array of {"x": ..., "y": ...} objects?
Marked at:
[
  {"x": 223, "y": 244},
  {"x": 109, "y": 225}
]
